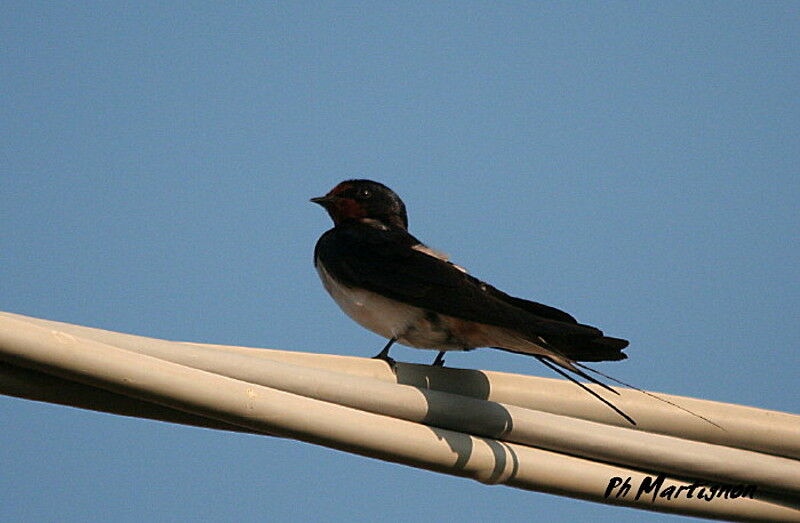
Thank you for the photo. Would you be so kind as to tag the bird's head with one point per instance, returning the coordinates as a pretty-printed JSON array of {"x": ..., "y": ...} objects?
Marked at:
[{"x": 354, "y": 200}]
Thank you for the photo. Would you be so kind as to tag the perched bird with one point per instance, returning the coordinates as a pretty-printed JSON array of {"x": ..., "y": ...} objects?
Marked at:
[{"x": 394, "y": 285}]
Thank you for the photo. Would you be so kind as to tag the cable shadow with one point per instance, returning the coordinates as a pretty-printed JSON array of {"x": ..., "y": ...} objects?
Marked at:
[{"x": 455, "y": 418}]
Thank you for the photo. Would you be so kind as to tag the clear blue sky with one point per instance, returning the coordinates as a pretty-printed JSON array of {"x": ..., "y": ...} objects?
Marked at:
[{"x": 633, "y": 163}]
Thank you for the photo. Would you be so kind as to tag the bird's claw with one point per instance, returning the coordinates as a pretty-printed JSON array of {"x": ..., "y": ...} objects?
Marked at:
[{"x": 390, "y": 361}]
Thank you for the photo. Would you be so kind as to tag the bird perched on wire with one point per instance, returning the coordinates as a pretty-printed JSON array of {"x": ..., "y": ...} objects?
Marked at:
[{"x": 394, "y": 285}]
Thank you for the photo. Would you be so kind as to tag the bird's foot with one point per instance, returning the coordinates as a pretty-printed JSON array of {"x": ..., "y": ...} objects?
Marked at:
[
  {"x": 439, "y": 361},
  {"x": 385, "y": 357}
]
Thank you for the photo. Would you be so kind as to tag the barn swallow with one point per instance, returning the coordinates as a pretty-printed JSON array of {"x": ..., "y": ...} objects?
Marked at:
[{"x": 399, "y": 288}]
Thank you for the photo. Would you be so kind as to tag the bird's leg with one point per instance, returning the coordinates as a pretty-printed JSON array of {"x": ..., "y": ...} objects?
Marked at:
[
  {"x": 384, "y": 353},
  {"x": 439, "y": 361}
]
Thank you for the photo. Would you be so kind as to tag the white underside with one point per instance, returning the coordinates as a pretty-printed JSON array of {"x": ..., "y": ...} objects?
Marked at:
[
  {"x": 409, "y": 326},
  {"x": 384, "y": 316}
]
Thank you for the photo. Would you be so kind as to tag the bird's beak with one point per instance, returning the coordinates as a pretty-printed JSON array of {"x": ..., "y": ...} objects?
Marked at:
[{"x": 322, "y": 200}]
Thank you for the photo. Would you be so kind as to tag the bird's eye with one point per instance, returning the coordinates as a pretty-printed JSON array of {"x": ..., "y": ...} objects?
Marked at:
[{"x": 364, "y": 194}]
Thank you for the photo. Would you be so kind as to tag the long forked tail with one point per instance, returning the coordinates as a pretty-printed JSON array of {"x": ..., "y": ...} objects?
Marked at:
[
  {"x": 558, "y": 364},
  {"x": 650, "y": 394},
  {"x": 553, "y": 365}
]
